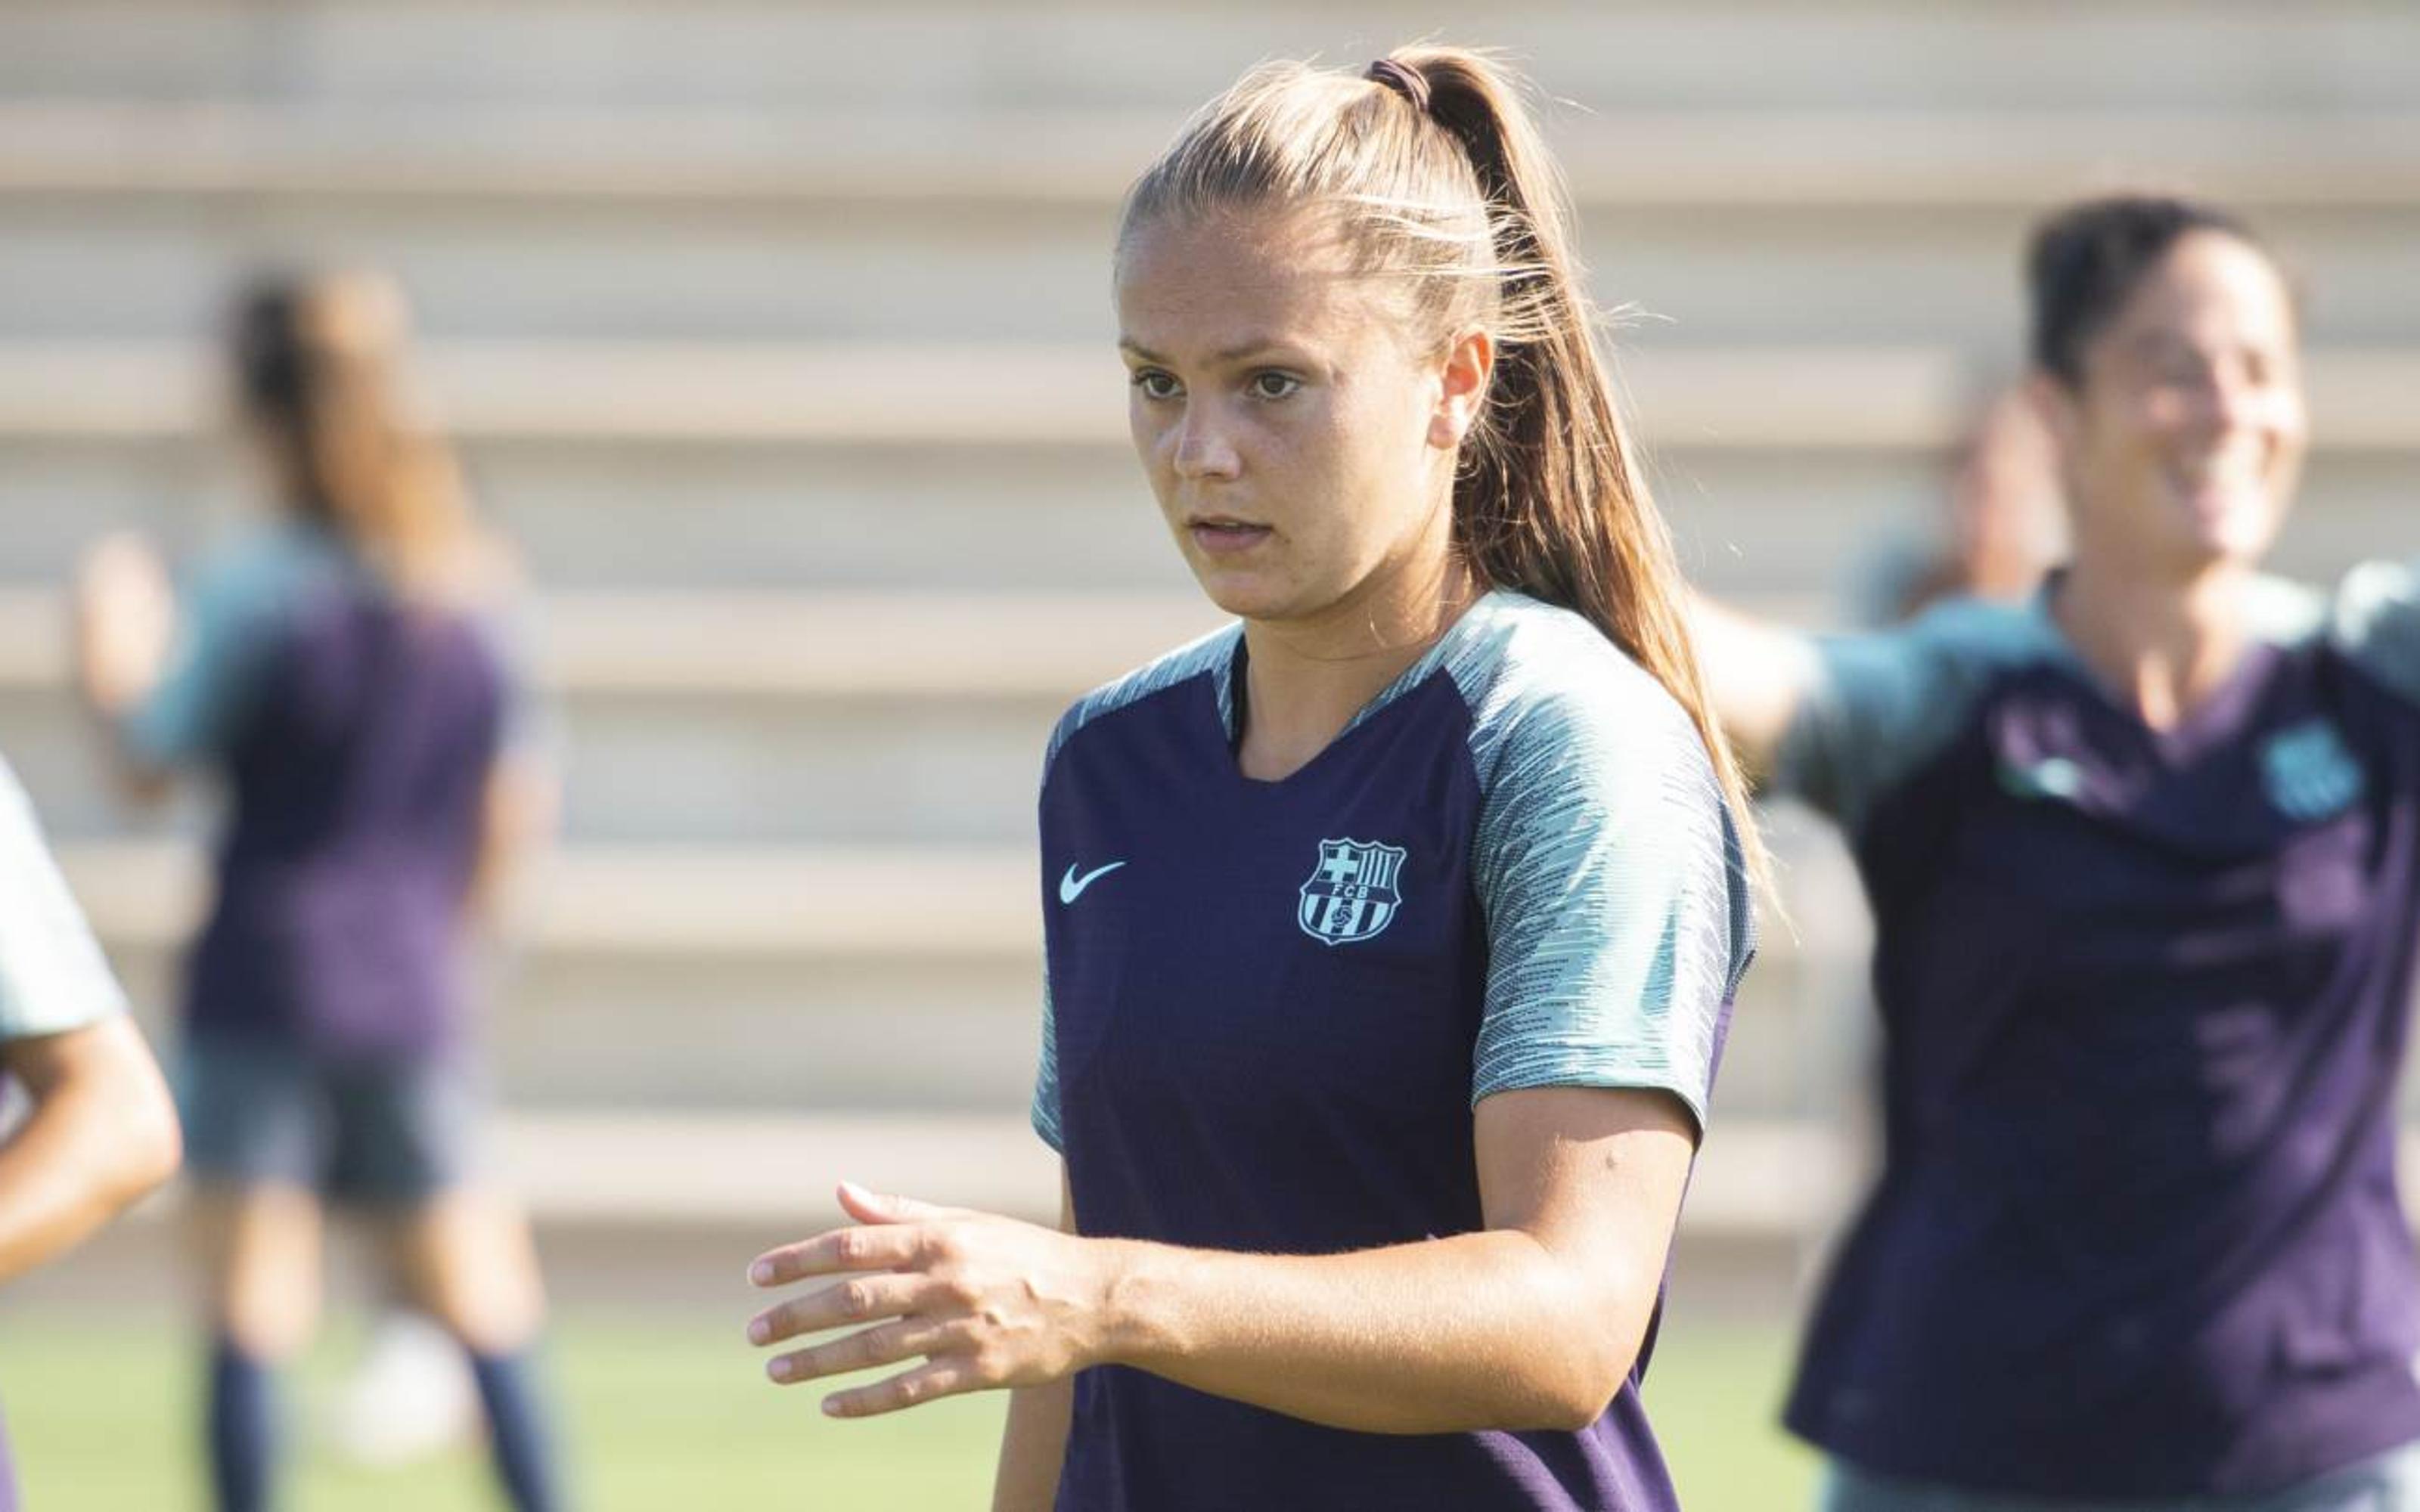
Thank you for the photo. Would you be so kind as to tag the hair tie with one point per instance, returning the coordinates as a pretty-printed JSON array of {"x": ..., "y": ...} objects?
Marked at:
[{"x": 1407, "y": 83}]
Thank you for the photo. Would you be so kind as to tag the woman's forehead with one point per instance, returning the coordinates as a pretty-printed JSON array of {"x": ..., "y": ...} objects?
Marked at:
[
  {"x": 2209, "y": 288},
  {"x": 1213, "y": 277}
]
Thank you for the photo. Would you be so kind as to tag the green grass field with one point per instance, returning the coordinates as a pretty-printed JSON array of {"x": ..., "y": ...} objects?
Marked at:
[{"x": 670, "y": 1413}]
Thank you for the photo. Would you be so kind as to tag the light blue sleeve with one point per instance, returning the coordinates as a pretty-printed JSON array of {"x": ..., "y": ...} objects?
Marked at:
[
  {"x": 2378, "y": 622},
  {"x": 224, "y": 637},
  {"x": 1045, "y": 1112},
  {"x": 532, "y": 727},
  {"x": 1884, "y": 703},
  {"x": 1616, "y": 907},
  {"x": 52, "y": 976}
]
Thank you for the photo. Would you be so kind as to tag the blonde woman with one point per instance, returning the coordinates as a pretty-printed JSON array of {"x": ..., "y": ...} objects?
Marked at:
[{"x": 1393, "y": 932}]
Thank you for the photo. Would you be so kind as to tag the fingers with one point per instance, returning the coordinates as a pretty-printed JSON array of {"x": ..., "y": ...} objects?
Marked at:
[
  {"x": 859, "y": 1300},
  {"x": 947, "y": 1377},
  {"x": 865, "y": 1248},
  {"x": 870, "y": 1206},
  {"x": 884, "y": 1344}
]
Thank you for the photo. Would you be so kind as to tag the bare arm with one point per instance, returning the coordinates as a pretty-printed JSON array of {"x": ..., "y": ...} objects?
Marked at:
[
  {"x": 1532, "y": 1322},
  {"x": 1758, "y": 674},
  {"x": 517, "y": 816},
  {"x": 1034, "y": 1446},
  {"x": 124, "y": 620},
  {"x": 103, "y": 1134}
]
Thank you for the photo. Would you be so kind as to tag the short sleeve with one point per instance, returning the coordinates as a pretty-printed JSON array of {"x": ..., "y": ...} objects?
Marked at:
[
  {"x": 226, "y": 637},
  {"x": 1045, "y": 1112},
  {"x": 530, "y": 725},
  {"x": 1612, "y": 885},
  {"x": 52, "y": 976},
  {"x": 2376, "y": 623},
  {"x": 1879, "y": 704}
]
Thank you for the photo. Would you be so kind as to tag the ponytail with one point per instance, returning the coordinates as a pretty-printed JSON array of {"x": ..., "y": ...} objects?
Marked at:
[{"x": 319, "y": 362}]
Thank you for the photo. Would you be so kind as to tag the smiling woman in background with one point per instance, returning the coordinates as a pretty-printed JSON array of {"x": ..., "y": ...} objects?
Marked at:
[
  {"x": 1392, "y": 933},
  {"x": 2142, "y": 855}
]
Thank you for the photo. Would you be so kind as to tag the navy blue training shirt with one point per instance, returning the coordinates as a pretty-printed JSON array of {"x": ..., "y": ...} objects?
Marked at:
[
  {"x": 356, "y": 731},
  {"x": 1272, "y": 1006},
  {"x": 2144, "y": 998}
]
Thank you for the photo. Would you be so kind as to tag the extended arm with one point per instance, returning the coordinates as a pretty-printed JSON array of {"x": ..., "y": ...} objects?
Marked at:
[
  {"x": 102, "y": 1133},
  {"x": 1532, "y": 1322},
  {"x": 124, "y": 621},
  {"x": 1758, "y": 674}
]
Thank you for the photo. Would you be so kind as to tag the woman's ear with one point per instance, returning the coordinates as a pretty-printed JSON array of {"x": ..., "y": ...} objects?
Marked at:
[
  {"x": 2058, "y": 409},
  {"x": 1469, "y": 363}
]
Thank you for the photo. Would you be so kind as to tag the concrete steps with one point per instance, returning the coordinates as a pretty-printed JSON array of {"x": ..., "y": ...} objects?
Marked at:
[
  {"x": 779, "y": 337},
  {"x": 1916, "y": 253},
  {"x": 957, "y": 59}
]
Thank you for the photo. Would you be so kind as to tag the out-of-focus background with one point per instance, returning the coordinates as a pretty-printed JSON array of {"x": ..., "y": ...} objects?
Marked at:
[{"x": 778, "y": 335}]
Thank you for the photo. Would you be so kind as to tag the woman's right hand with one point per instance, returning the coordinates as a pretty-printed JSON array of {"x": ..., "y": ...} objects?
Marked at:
[{"x": 125, "y": 615}]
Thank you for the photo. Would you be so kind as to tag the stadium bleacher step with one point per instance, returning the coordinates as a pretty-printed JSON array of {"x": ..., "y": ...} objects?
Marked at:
[{"x": 953, "y": 58}]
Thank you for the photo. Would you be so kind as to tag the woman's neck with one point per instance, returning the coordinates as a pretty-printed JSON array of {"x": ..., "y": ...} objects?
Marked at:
[
  {"x": 2160, "y": 647},
  {"x": 1305, "y": 680}
]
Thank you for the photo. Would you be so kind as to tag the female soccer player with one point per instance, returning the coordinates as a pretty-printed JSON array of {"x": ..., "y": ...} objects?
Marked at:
[
  {"x": 1392, "y": 933},
  {"x": 2142, "y": 857},
  {"x": 338, "y": 674}
]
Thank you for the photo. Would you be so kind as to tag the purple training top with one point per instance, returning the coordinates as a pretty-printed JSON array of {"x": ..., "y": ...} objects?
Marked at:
[
  {"x": 1272, "y": 1006},
  {"x": 356, "y": 732},
  {"x": 2144, "y": 1001}
]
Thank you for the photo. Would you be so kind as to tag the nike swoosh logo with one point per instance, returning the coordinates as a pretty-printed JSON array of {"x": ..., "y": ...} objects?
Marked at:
[{"x": 1071, "y": 886}]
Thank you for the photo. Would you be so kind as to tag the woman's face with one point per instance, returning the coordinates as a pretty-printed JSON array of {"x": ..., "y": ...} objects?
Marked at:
[
  {"x": 2184, "y": 438},
  {"x": 1300, "y": 444}
]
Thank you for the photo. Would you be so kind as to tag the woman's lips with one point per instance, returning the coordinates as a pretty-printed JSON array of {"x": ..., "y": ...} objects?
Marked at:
[{"x": 1221, "y": 539}]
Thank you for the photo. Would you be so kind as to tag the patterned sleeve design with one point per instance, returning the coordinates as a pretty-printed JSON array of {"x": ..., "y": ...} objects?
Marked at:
[
  {"x": 1045, "y": 1112},
  {"x": 1610, "y": 874},
  {"x": 53, "y": 977},
  {"x": 2378, "y": 622},
  {"x": 1884, "y": 702},
  {"x": 225, "y": 637}
]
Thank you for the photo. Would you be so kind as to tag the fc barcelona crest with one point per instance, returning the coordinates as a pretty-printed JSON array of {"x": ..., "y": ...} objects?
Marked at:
[{"x": 1351, "y": 894}]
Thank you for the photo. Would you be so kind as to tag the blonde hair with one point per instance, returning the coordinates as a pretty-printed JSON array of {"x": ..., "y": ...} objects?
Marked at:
[
  {"x": 319, "y": 360},
  {"x": 1439, "y": 183}
]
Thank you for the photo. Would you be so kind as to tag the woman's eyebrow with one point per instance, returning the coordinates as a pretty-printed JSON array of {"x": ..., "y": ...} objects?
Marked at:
[{"x": 1228, "y": 354}]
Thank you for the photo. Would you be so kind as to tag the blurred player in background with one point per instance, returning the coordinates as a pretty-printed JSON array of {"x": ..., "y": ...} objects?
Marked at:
[
  {"x": 2142, "y": 855},
  {"x": 2003, "y": 525},
  {"x": 1391, "y": 934},
  {"x": 341, "y": 673},
  {"x": 100, "y": 1131}
]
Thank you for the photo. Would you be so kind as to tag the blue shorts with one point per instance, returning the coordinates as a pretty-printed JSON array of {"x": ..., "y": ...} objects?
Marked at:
[
  {"x": 2389, "y": 1483},
  {"x": 391, "y": 1131}
]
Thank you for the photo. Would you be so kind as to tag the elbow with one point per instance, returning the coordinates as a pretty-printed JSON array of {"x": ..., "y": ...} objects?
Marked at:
[
  {"x": 1576, "y": 1373},
  {"x": 1575, "y": 1392},
  {"x": 149, "y": 1147}
]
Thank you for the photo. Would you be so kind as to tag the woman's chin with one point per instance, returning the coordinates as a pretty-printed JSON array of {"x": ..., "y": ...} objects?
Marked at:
[{"x": 1243, "y": 595}]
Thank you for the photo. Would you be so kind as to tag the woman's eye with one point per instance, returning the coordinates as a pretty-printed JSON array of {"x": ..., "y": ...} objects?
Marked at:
[
  {"x": 1274, "y": 385},
  {"x": 1154, "y": 384}
]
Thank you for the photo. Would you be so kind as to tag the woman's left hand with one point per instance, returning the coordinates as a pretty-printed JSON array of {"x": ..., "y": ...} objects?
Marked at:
[{"x": 983, "y": 1300}]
